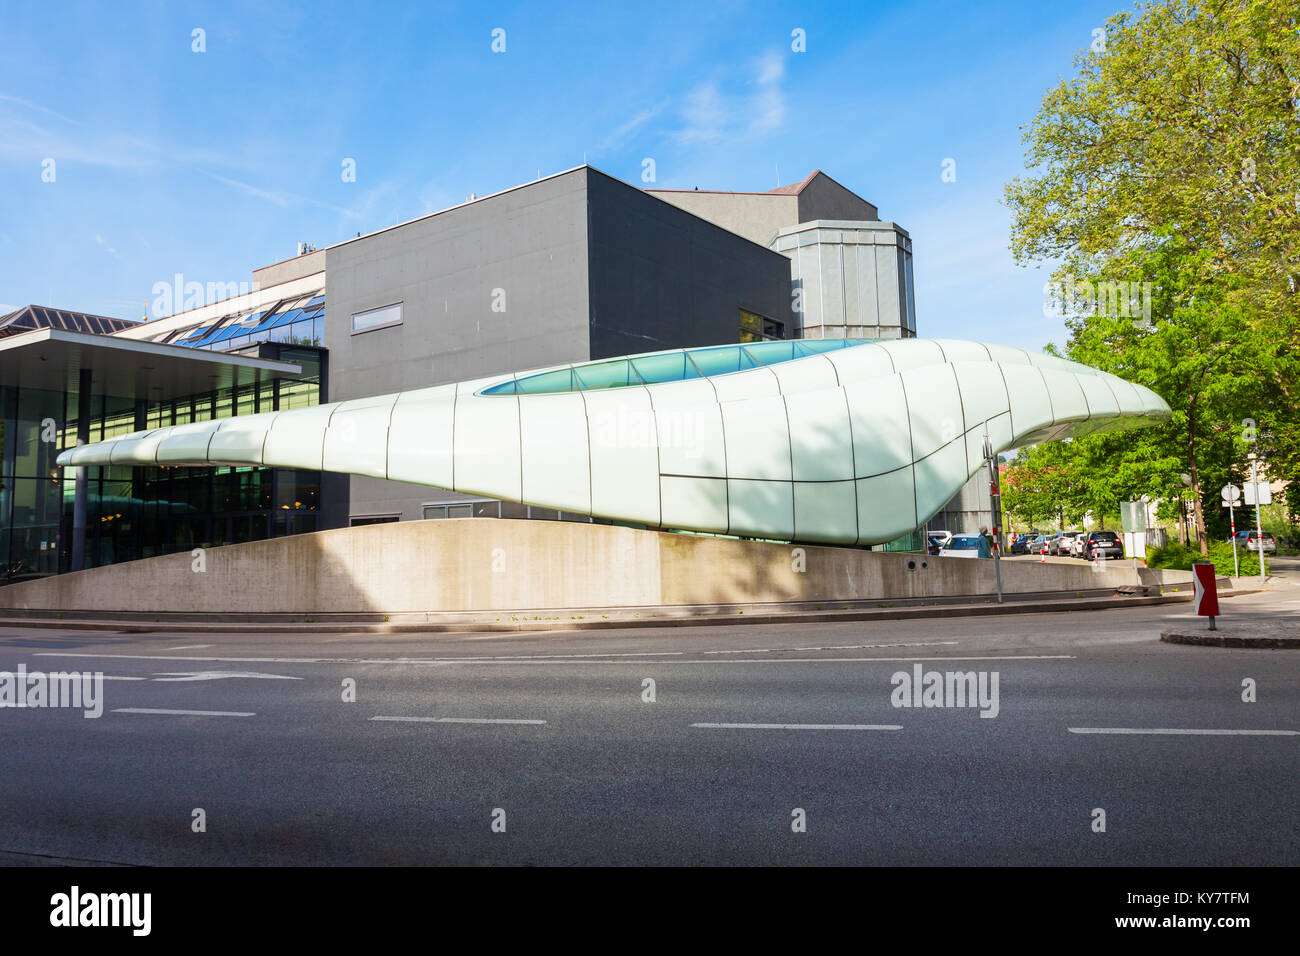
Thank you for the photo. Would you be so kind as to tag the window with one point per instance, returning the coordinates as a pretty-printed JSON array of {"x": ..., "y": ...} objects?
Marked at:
[
  {"x": 462, "y": 509},
  {"x": 757, "y": 328},
  {"x": 380, "y": 318},
  {"x": 357, "y": 520}
]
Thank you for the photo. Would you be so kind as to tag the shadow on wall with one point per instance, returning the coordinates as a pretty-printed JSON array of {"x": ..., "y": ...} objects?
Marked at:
[{"x": 477, "y": 564}]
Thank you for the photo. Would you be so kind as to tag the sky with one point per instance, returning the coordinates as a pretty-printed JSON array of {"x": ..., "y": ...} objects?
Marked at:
[{"x": 128, "y": 156}]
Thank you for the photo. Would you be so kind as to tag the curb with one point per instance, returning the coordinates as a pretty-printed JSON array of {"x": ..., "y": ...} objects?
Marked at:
[
  {"x": 127, "y": 626},
  {"x": 1221, "y": 639}
]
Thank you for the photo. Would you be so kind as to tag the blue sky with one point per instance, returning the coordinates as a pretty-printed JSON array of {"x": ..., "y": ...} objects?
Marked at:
[{"x": 211, "y": 164}]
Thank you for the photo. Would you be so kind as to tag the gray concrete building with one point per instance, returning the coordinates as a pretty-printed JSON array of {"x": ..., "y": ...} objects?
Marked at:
[
  {"x": 851, "y": 274},
  {"x": 569, "y": 268}
]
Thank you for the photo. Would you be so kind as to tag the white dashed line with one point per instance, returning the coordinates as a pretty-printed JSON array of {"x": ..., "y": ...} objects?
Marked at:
[
  {"x": 182, "y": 713},
  {"x": 460, "y": 720},
  {"x": 1182, "y": 730},
  {"x": 833, "y": 647},
  {"x": 800, "y": 726}
]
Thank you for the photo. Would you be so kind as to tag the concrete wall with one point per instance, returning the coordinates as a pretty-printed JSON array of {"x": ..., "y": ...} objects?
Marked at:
[
  {"x": 662, "y": 279},
  {"x": 500, "y": 564},
  {"x": 759, "y": 216},
  {"x": 296, "y": 268},
  {"x": 756, "y": 216}
]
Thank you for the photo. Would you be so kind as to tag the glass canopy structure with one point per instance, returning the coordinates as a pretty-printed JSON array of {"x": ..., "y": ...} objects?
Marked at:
[
  {"x": 297, "y": 320},
  {"x": 822, "y": 441}
]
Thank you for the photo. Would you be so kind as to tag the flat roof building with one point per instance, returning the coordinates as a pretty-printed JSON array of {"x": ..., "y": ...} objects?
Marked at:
[{"x": 567, "y": 269}]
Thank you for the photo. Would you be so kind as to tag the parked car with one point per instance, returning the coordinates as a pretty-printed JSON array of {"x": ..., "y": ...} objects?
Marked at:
[
  {"x": 1077, "y": 544},
  {"x": 1104, "y": 544},
  {"x": 935, "y": 540},
  {"x": 1058, "y": 543},
  {"x": 967, "y": 546},
  {"x": 1022, "y": 543},
  {"x": 1250, "y": 541}
]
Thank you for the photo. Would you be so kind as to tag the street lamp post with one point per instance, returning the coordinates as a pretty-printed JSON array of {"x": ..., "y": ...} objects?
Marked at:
[{"x": 995, "y": 507}]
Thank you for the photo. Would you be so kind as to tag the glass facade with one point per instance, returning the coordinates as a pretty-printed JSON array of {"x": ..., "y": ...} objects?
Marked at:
[
  {"x": 135, "y": 512},
  {"x": 299, "y": 320},
  {"x": 669, "y": 366}
]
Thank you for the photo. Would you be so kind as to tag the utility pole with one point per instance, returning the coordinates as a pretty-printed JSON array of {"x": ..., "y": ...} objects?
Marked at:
[
  {"x": 995, "y": 507},
  {"x": 1259, "y": 527},
  {"x": 1231, "y": 495}
]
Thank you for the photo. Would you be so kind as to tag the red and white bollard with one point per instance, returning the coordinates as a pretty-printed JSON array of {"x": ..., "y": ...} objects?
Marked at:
[{"x": 1205, "y": 591}]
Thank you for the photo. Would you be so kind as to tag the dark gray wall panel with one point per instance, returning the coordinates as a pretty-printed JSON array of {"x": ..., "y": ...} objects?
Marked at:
[{"x": 662, "y": 278}]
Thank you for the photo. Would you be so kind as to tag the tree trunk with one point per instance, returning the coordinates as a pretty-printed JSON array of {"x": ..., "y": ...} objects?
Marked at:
[
  {"x": 1198, "y": 514},
  {"x": 1202, "y": 537}
]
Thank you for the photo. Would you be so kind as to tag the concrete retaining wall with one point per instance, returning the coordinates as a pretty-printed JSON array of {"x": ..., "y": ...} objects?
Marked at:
[{"x": 500, "y": 564}]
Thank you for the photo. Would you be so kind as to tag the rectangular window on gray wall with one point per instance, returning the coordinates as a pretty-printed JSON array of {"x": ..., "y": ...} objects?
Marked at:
[
  {"x": 759, "y": 328},
  {"x": 358, "y": 520},
  {"x": 380, "y": 318}
]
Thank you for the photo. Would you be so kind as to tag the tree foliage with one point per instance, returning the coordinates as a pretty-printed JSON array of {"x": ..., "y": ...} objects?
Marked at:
[{"x": 1173, "y": 158}]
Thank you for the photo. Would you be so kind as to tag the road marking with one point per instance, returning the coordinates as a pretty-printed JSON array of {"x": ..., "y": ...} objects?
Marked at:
[
  {"x": 107, "y": 677},
  {"x": 182, "y": 713},
  {"x": 1182, "y": 730},
  {"x": 444, "y": 661},
  {"x": 800, "y": 726},
  {"x": 461, "y": 720},
  {"x": 245, "y": 660},
  {"x": 183, "y": 676},
  {"x": 187, "y": 647},
  {"x": 832, "y": 647}
]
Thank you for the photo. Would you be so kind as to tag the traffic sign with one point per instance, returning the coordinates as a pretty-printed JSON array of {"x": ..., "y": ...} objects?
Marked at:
[
  {"x": 1133, "y": 515},
  {"x": 1258, "y": 492},
  {"x": 1205, "y": 592},
  {"x": 1231, "y": 495}
]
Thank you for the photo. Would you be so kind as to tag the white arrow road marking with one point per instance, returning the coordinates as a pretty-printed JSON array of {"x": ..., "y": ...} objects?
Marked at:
[
  {"x": 1180, "y": 730},
  {"x": 178, "y": 676}
]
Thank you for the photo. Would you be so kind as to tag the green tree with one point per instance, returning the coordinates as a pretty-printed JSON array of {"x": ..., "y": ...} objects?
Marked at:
[{"x": 1173, "y": 159}]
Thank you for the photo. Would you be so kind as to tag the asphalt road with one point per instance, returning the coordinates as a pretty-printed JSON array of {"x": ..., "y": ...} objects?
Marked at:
[{"x": 290, "y": 773}]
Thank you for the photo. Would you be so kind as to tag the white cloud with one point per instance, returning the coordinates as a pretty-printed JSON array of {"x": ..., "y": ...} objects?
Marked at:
[
  {"x": 279, "y": 198},
  {"x": 705, "y": 115},
  {"x": 771, "y": 68},
  {"x": 27, "y": 104},
  {"x": 21, "y": 138},
  {"x": 621, "y": 133},
  {"x": 712, "y": 114}
]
